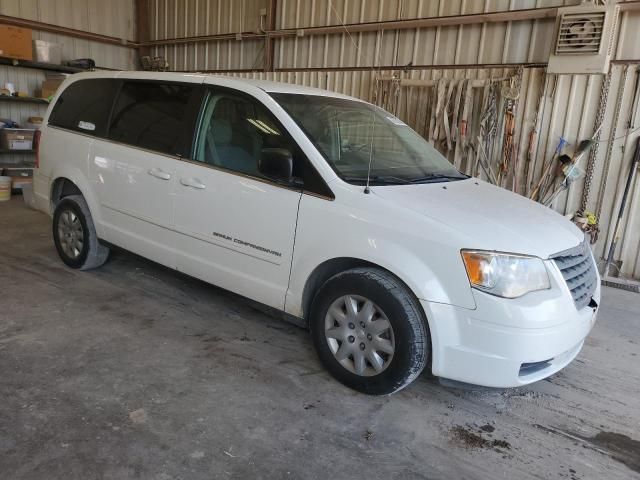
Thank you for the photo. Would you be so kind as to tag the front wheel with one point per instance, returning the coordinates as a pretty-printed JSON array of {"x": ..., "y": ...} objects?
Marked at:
[
  {"x": 74, "y": 234},
  {"x": 369, "y": 331}
]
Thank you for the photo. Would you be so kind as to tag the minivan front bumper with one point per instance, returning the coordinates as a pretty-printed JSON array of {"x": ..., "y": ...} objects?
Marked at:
[{"x": 509, "y": 342}]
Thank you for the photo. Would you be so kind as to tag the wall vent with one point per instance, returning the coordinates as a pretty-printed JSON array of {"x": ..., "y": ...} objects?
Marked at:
[
  {"x": 580, "y": 33},
  {"x": 584, "y": 38}
]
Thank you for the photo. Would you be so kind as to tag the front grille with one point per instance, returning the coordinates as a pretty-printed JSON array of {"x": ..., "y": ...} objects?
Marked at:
[{"x": 578, "y": 270}]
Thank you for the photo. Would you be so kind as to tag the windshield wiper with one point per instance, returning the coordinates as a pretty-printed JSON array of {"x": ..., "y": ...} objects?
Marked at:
[
  {"x": 379, "y": 180},
  {"x": 437, "y": 177},
  {"x": 391, "y": 180}
]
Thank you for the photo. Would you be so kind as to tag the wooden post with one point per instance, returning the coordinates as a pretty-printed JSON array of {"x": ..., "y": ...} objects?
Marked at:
[
  {"x": 269, "y": 47},
  {"x": 143, "y": 27}
]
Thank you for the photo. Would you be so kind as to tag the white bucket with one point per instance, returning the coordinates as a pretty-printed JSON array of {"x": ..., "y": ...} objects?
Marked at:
[{"x": 5, "y": 189}]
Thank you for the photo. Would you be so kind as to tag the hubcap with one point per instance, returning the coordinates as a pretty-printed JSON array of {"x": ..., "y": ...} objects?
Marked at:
[
  {"x": 359, "y": 335},
  {"x": 70, "y": 234}
]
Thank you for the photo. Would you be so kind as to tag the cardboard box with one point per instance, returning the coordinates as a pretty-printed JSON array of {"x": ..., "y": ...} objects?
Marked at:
[
  {"x": 50, "y": 87},
  {"x": 20, "y": 179},
  {"x": 16, "y": 139},
  {"x": 15, "y": 42},
  {"x": 33, "y": 123}
]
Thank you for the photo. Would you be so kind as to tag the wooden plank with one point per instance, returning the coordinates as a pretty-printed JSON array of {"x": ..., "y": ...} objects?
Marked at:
[
  {"x": 143, "y": 28},
  {"x": 69, "y": 32}
]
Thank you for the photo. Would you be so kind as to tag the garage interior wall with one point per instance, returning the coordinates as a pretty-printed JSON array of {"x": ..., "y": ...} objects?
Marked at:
[
  {"x": 115, "y": 18},
  {"x": 405, "y": 70},
  {"x": 375, "y": 66}
]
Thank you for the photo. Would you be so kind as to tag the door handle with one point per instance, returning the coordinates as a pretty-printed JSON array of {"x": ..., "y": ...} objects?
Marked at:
[
  {"x": 158, "y": 173},
  {"x": 193, "y": 183}
]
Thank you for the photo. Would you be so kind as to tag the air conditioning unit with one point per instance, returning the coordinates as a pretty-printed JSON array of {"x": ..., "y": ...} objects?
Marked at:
[{"x": 584, "y": 39}]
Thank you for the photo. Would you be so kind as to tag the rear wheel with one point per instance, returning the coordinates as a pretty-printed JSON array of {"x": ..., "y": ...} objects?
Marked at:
[
  {"x": 369, "y": 331},
  {"x": 75, "y": 236}
]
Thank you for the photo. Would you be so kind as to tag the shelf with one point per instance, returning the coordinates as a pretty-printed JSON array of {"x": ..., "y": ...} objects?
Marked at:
[
  {"x": 17, "y": 166},
  {"x": 16, "y": 152},
  {"x": 52, "y": 67},
  {"x": 8, "y": 98}
]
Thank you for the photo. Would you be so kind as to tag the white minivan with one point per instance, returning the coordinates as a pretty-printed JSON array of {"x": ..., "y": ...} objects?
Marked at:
[{"x": 323, "y": 207}]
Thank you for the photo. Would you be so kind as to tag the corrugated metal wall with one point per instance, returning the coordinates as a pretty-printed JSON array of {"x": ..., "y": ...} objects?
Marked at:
[
  {"x": 112, "y": 17},
  {"x": 488, "y": 43},
  {"x": 469, "y": 44},
  {"x": 181, "y": 18},
  {"x": 508, "y": 42}
]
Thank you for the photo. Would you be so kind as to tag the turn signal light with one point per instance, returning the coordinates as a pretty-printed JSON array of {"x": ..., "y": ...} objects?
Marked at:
[{"x": 476, "y": 264}]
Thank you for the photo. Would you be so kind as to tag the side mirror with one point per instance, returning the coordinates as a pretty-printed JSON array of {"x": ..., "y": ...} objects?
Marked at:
[{"x": 276, "y": 163}]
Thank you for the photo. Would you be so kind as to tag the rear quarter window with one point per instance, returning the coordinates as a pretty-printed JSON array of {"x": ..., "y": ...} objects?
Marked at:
[{"x": 84, "y": 106}]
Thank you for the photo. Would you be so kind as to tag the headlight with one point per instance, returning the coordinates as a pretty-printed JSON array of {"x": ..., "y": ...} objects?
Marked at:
[{"x": 505, "y": 275}]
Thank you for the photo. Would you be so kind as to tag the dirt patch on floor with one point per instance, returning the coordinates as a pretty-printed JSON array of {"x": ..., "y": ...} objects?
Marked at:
[
  {"x": 467, "y": 438},
  {"x": 622, "y": 448}
]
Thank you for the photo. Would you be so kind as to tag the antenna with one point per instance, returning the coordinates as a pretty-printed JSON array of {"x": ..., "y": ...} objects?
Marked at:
[
  {"x": 373, "y": 122},
  {"x": 376, "y": 59}
]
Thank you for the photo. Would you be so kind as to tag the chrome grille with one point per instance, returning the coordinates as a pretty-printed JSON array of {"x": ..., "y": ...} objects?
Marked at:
[{"x": 579, "y": 272}]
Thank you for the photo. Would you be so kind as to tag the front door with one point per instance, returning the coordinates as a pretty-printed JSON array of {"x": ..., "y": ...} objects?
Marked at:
[{"x": 236, "y": 227}]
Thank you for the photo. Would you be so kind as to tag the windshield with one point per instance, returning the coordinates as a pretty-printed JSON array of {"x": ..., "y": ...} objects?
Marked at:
[{"x": 350, "y": 134}]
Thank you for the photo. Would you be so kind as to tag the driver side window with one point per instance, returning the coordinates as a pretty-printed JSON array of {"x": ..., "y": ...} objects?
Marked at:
[{"x": 234, "y": 132}]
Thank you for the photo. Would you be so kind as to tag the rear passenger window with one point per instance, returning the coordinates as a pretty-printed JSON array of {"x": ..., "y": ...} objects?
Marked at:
[
  {"x": 84, "y": 106},
  {"x": 150, "y": 115}
]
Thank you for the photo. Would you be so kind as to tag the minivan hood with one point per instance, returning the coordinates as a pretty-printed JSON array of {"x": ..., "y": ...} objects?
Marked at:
[{"x": 491, "y": 218}]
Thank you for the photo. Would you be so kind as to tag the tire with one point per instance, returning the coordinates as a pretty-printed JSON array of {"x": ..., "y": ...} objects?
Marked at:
[
  {"x": 74, "y": 235},
  {"x": 369, "y": 295}
]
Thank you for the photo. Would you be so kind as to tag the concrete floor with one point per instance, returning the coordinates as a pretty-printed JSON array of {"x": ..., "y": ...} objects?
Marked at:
[{"x": 134, "y": 371}]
